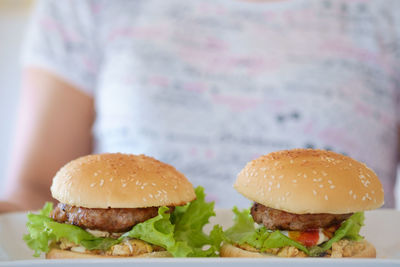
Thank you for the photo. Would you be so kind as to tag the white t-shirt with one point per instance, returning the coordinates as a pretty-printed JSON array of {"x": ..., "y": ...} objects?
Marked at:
[{"x": 208, "y": 85}]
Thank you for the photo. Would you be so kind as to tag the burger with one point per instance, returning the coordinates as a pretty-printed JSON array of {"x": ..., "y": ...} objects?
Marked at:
[
  {"x": 121, "y": 205},
  {"x": 307, "y": 203}
]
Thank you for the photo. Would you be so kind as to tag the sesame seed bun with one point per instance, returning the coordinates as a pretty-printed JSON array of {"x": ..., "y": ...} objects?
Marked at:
[
  {"x": 120, "y": 181},
  {"x": 307, "y": 181},
  {"x": 361, "y": 249}
]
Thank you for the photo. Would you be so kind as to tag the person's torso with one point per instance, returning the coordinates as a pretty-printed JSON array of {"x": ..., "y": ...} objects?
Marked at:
[{"x": 208, "y": 85}]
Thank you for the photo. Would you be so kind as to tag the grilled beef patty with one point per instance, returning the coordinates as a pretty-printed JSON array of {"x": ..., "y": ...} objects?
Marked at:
[
  {"x": 111, "y": 220},
  {"x": 274, "y": 219}
]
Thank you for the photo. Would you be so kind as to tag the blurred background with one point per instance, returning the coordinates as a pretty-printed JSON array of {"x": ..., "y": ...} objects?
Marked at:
[{"x": 14, "y": 18}]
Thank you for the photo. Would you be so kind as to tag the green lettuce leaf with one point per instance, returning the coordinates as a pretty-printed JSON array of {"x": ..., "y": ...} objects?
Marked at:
[
  {"x": 46, "y": 210},
  {"x": 42, "y": 230},
  {"x": 189, "y": 223},
  {"x": 217, "y": 236},
  {"x": 278, "y": 240},
  {"x": 243, "y": 226},
  {"x": 38, "y": 239},
  {"x": 159, "y": 231},
  {"x": 180, "y": 233},
  {"x": 244, "y": 231},
  {"x": 78, "y": 236},
  {"x": 349, "y": 229}
]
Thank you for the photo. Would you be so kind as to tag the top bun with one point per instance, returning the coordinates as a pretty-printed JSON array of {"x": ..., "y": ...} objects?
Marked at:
[
  {"x": 120, "y": 181},
  {"x": 306, "y": 181}
]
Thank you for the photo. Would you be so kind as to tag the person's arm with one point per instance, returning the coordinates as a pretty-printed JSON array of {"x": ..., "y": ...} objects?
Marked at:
[
  {"x": 54, "y": 127},
  {"x": 8, "y": 207}
]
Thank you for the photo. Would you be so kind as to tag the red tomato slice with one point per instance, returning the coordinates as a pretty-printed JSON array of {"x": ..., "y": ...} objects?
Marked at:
[{"x": 307, "y": 238}]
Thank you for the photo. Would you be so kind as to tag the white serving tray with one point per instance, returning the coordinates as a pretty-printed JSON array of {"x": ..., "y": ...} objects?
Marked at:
[{"x": 381, "y": 229}]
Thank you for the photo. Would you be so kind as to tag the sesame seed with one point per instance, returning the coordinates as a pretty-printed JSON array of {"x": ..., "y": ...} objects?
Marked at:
[
  {"x": 150, "y": 195},
  {"x": 95, "y": 174},
  {"x": 142, "y": 187},
  {"x": 329, "y": 182},
  {"x": 332, "y": 186},
  {"x": 276, "y": 163},
  {"x": 324, "y": 173},
  {"x": 101, "y": 182},
  {"x": 373, "y": 192},
  {"x": 299, "y": 174},
  {"x": 305, "y": 175},
  {"x": 280, "y": 176},
  {"x": 363, "y": 198},
  {"x": 278, "y": 185},
  {"x": 321, "y": 185},
  {"x": 291, "y": 161},
  {"x": 314, "y": 192},
  {"x": 124, "y": 185},
  {"x": 144, "y": 199},
  {"x": 273, "y": 176},
  {"x": 294, "y": 181},
  {"x": 354, "y": 196},
  {"x": 175, "y": 186},
  {"x": 315, "y": 180},
  {"x": 326, "y": 197},
  {"x": 111, "y": 179},
  {"x": 350, "y": 192},
  {"x": 270, "y": 183},
  {"x": 92, "y": 184},
  {"x": 153, "y": 184},
  {"x": 269, "y": 188},
  {"x": 265, "y": 176},
  {"x": 314, "y": 172}
]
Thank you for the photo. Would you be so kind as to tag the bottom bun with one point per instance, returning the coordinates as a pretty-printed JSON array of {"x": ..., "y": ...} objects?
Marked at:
[
  {"x": 228, "y": 250},
  {"x": 56, "y": 253},
  {"x": 362, "y": 249}
]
